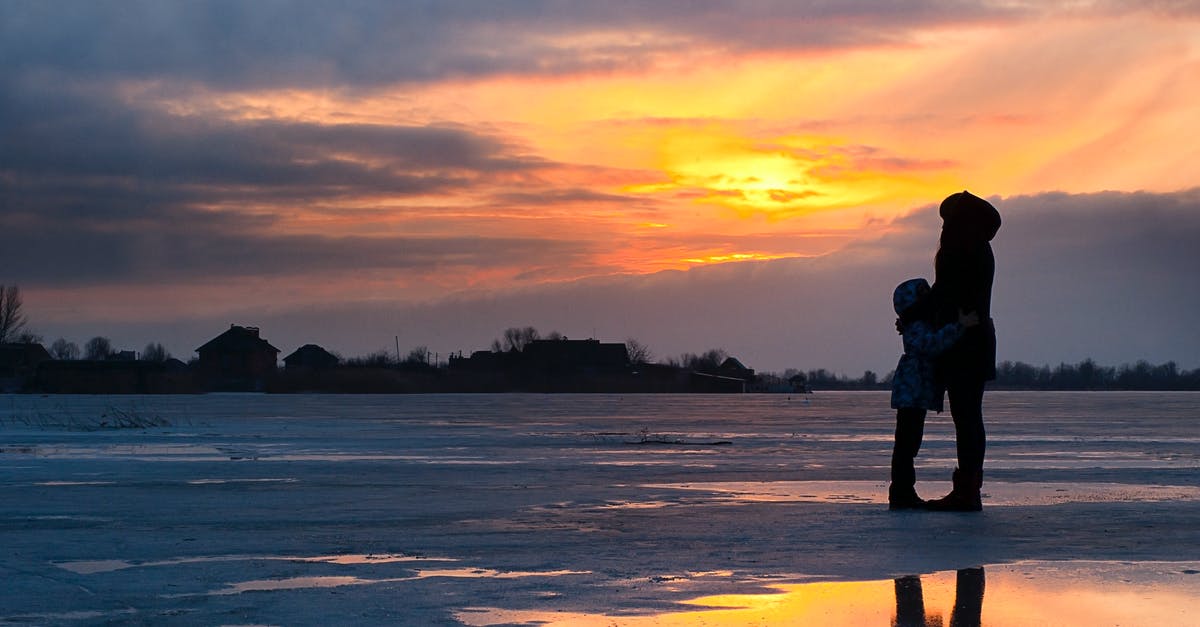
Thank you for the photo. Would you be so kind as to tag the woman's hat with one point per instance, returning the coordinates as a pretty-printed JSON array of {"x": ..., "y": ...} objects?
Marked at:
[{"x": 969, "y": 212}]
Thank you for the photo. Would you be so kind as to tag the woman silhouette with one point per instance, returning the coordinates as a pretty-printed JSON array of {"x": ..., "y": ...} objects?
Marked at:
[{"x": 964, "y": 269}]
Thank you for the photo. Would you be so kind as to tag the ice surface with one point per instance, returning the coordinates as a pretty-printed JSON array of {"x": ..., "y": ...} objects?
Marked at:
[{"x": 481, "y": 509}]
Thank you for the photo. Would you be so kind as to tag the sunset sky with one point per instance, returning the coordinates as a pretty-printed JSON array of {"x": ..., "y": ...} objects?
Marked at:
[{"x": 754, "y": 176}]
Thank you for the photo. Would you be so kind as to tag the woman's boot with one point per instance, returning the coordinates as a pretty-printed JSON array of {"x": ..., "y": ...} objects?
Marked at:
[{"x": 965, "y": 495}]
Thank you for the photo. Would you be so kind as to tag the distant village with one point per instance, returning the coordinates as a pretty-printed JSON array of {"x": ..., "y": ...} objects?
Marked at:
[{"x": 241, "y": 359}]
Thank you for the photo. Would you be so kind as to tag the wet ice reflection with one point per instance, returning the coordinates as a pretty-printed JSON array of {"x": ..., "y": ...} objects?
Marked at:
[
  {"x": 337, "y": 581},
  {"x": 995, "y": 492},
  {"x": 90, "y": 567},
  {"x": 1068, "y": 594}
]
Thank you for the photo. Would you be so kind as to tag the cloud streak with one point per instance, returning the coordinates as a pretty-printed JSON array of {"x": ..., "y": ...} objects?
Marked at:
[{"x": 368, "y": 43}]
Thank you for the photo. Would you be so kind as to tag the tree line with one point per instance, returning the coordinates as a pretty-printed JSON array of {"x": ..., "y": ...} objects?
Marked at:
[
  {"x": 1084, "y": 375},
  {"x": 1017, "y": 375}
]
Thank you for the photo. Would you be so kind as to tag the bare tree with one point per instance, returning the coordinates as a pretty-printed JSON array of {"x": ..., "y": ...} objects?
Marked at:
[
  {"x": 97, "y": 348},
  {"x": 29, "y": 337},
  {"x": 12, "y": 318},
  {"x": 155, "y": 351},
  {"x": 420, "y": 355},
  {"x": 62, "y": 349},
  {"x": 382, "y": 358},
  {"x": 708, "y": 361},
  {"x": 515, "y": 338},
  {"x": 638, "y": 353}
]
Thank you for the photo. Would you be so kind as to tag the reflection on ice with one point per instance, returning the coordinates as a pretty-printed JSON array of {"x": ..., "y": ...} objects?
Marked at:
[
  {"x": 487, "y": 573},
  {"x": 292, "y": 583},
  {"x": 56, "y": 618},
  {"x": 225, "y": 481},
  {"x": 299, "y": 583},
  {"x": 995, "y": 492},
  {"x": 71, "y": 483},
  {"x": 1068, "y": 594},
  {"x": 90, "y": 567}
]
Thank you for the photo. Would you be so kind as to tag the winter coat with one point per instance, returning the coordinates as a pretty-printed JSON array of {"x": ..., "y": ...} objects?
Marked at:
[
  {"x": 916, "y": 384},
  {"x": 965, "y": 269}
]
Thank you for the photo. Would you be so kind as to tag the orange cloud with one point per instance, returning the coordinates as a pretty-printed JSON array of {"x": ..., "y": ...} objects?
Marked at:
[{"x": 755, "y": 143}]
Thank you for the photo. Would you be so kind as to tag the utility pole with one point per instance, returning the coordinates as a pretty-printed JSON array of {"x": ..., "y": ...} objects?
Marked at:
[{"x": 397, "y": 349}]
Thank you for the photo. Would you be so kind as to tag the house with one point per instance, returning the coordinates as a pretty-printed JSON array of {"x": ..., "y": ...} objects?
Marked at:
[
  {"x": 310, "y": 357},
  {"x": 735, "y": 369},
  {"x": 114, "y": 376},
  {"x": 18, "y": 364},
  {"x": 237, "y": 360},
  {"x": 575, "y": 356}
]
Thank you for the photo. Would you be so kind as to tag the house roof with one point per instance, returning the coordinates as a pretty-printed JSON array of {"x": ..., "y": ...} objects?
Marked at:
[
  {"x": 238, "y": 339},
  {"x": 732, "y": 363},
  {"x": 22, "y": 354},
  {"x": 310, "y": 351}
]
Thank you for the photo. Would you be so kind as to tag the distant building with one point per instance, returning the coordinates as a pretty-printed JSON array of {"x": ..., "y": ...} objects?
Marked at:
[
  {"x": 310, "y": 357},
  {"x": 18, "y": 364},
  {"x": 237, "y": 360},
  {"x": 481, "y": 361},
  {"x": 734, "y": 368},
  {"x": 558, "y": 357},
  {"x": 575, "y": 356},
  {"x": 115, "y": 376}
]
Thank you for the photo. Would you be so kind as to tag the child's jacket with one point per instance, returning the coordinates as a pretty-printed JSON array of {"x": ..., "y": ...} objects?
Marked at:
[{"x": 914, "y": 385}]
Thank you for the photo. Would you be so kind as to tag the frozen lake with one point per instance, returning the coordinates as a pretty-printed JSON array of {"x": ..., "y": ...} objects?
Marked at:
[{"x": 590, "y": 510}]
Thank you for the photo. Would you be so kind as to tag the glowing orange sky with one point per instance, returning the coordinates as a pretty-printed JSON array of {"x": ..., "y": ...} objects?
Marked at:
[
  {"x": 402, "y": 154},
  {"x": 709, "y": 158}
]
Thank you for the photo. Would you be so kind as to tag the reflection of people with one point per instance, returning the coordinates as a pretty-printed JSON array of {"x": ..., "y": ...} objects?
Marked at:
[
  {"x": 968, "y": 598},
  {"x": 914, "y": 388},
  {"x": 968, "y": 601},
  {"x": 965, "y": 269},
  {"x": 910, "y": 605}
]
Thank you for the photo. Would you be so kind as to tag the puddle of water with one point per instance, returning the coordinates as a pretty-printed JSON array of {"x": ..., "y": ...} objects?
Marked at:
[
  {"x": 487, "y": 573},
  {"x": 91, "y": 567},
  {"x": 1068, "y": 594},
  {"x": 357, "y": 457},
  {"x": 60, "y": 617},
  {"x": 995, "y": 493},
  {"x": 300, "y": 583},
  {"x": 635, "y": 505},
  {"x": 73, "y": 483},
  {"x": 639, "y": 462},
  {"x": 294, "y": 583},
  {"x": 222, "y": 481}
]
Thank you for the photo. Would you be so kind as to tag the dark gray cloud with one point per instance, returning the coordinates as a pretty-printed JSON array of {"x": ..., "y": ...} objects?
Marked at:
[
  {"x": 47, "y": 133},
  {"x": 95, "y": 191},
  {"x": 365, "y": 43},
  {"x": 195, "y": 246},
  {"x": 1109, "y": 275}
]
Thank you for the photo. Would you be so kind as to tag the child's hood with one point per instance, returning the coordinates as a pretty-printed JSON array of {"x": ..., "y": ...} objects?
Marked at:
[{"x": 907, "y": 294}]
